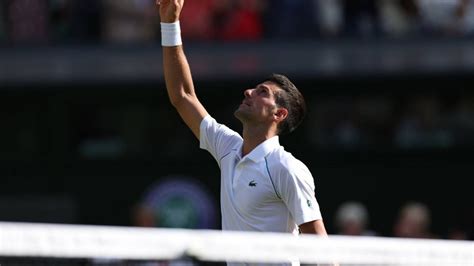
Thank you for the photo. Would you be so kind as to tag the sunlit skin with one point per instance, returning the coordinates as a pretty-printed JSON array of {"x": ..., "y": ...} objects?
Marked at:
[{"x": 259, "y": 115}]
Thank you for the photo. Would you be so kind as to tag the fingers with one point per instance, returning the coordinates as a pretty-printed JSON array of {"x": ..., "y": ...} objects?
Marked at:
[
  {"x": 179, "y": 2},
  {"x": 159, "y": 2},
  {"x": 174, "y": 2},
  {"x": 169, "y": 10}
]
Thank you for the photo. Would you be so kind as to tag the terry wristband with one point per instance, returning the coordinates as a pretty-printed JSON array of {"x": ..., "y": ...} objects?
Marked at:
[{"x": 171, "y": 34}]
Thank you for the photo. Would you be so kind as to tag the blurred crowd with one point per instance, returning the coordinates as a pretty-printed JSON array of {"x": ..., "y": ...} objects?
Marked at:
[
  {"x": 412, "y": 220},
  {"x": 415, "y": 121},
  {"x": 132, "y": 21}
]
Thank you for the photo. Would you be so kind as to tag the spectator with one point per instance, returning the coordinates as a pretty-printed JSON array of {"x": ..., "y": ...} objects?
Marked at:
[
  {"x": 243, "y": 21},
  {"x": 361, "y": 18},
  {"x": 400, "y": 17},
  {"x": 290, "y": 18},
  {"x": 413, "y": 221},
  {"x": 442, "y": 17},
  {"x": 74, "y": 20},
  {"x": 352, "y": 218},
  {"x": 198, "y": 18},
  {"x": 128, "y": 21},
  {"x": 465, "y": 15},
  {"x": 328, "y": 17}
]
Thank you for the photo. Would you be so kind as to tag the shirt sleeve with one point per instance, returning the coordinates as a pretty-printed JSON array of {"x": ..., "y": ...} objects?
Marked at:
[
  {"x": 296, "y": 186},
  {"x": 217, "y": 138}
]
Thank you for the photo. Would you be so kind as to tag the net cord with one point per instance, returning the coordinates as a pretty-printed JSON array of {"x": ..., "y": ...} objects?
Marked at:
[{"x": 133, "y": 243}]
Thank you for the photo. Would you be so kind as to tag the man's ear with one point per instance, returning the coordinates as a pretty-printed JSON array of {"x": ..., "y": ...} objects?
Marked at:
[{"x": 280, "y": 114}]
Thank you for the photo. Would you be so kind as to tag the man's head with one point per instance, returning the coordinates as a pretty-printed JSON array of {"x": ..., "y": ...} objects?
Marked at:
[
  {"x": 276, "y": 100},
  {"x": 413, "y": 221}
]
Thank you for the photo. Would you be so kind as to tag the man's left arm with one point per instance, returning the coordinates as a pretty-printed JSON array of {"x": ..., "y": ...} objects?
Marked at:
[{"x": 314, "y": 227}]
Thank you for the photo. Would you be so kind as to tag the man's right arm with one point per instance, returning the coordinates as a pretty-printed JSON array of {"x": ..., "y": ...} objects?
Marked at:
[{"x": 179, "y": 82}]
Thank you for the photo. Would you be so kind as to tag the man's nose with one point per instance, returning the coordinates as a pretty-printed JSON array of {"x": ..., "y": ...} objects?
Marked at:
[{"x": 248, "y": 93}]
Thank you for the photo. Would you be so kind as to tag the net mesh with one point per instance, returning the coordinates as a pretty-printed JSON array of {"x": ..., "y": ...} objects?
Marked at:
[{"x": 54, "y": 244}]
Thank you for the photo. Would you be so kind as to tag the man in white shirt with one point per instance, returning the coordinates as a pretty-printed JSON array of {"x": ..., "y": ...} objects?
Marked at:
[{"x": 263, "y": 187}]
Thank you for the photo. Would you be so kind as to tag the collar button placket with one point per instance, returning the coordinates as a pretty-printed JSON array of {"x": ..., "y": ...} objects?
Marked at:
[{"x": 237, "y": 171}]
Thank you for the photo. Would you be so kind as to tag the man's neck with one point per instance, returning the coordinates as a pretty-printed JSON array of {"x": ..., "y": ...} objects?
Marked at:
[{"x": 254, "y": 137}]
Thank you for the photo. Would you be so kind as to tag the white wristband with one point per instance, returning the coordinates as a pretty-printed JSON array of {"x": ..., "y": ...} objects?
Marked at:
[{"x": 171, "y": 34}]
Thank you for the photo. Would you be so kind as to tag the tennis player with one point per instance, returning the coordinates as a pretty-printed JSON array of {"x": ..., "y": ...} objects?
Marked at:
[{"x": 263, "y": 187}]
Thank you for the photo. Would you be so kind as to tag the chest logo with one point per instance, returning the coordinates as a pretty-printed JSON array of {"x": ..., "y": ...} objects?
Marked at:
[
  {"x": 309, "y": 203},
  {"x": 252, "y": 183}
]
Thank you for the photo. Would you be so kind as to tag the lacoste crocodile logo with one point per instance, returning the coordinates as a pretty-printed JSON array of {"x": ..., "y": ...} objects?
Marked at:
[{"x": 252, "y": 183}]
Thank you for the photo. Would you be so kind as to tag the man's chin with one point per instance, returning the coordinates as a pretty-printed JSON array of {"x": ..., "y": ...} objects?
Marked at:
[{"x": 239, "y": 114}]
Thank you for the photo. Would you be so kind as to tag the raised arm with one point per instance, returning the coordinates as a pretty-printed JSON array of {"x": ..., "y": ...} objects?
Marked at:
[{"x": 179, "y": 82}]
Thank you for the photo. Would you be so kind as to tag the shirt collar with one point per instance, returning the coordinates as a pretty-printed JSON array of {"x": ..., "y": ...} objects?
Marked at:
[{"x": 263, "y": 149}]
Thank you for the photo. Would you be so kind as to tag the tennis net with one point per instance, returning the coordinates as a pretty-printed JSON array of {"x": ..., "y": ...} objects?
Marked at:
[{"x": 60, "y": 244}]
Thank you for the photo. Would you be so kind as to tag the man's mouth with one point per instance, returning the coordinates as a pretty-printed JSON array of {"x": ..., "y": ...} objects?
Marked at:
[{"x": 245, "y": 103}]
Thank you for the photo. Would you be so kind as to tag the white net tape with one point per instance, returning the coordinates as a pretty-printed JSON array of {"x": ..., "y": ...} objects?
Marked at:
[{"x": 79, "y": 241}]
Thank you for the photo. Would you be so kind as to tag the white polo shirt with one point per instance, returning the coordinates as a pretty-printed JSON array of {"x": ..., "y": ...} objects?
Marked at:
[{"x": 268, "y": 190}]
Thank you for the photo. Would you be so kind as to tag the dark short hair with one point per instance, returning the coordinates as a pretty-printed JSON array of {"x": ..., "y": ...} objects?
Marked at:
[{"x": 288, "y": 97}]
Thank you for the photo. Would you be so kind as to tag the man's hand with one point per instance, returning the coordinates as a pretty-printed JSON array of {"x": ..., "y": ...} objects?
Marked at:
[{"x": 170, "y": 10}]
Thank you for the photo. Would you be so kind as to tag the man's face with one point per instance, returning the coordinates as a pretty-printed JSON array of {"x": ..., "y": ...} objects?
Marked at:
[{"x": 259, "y": 104}]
